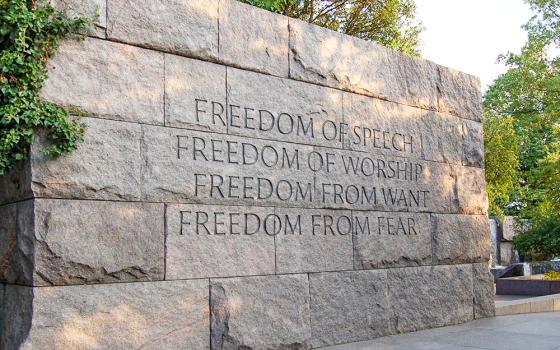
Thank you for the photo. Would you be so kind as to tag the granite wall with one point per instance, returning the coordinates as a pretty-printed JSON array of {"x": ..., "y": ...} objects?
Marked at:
[{"x": 247, "y": 181}]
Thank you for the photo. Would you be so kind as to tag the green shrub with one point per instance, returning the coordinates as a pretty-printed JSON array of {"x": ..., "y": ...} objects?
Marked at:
[
  {"x": 541, "y": 241},
  {"x": 29, "y": 36}
]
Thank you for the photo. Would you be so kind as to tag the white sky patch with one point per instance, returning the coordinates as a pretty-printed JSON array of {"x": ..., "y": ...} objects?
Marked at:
[{"x": 468, "y": 35}]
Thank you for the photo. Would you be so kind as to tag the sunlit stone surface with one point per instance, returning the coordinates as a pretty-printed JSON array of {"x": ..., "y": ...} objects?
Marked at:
[{"x": 247, "y": 181}]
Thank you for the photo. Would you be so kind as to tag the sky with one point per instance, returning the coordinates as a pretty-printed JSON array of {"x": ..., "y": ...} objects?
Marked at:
[{"x": 468, "y": 35}]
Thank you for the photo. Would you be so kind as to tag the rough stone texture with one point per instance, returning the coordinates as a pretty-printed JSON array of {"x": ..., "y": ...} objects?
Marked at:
[
  {"x": 512, "y": 226},
  {"x": 188, "y": 80},
  {"x": 431, "y": 296},
  {"x": 56, "y": 237},
  {"x": 472, "y": 198},
  {"x": 455, "y": 189},
  {"x": 257, "y": 45},
  {"x": 49, "y": 242},
  {"x": 483, "y": 291},
  {"x": 186, "y": 27},
  {"x": 286, "y": 100},
  {"x": 17, "y": 249},
  {"x": 442, "y": 138},
  {"x": 8, "y": 239},
  {"x": 507, "y": 254},
  {"x": 169, "y": 134},
  {"x": 169, "y": 175},
  {"x": 166, "y": 177},
  {"x": 473, "y": 144},
  {"x": 264, "y": 312},
  {"x": 348, "y": 306},
  {"x": 460, "y": 239},
  {"x": 94, "y": 10},
  {"x": 459, "y": 94},
  {"x": 321, "y": 242},
  {"x": 451, "y": 189},
  {"x": 16, "y": 184},
  {"x": 2, "y": 314},
  {"x": 107, "y": 79},
  {"x": 434, "y": 136},
  {"x": 113, "y": 316},
  {"x": 356, "y": 65},
  {"x": 392, "y": 240},
  {"x": 386, "y": 189},
  {"x": 233, "y": 242},
  {"x": 441, "y": 180},
  {"x": 373, "y": 116},
  {"x": 105, "y": 166},
  {"x": 18, "y": 304}
]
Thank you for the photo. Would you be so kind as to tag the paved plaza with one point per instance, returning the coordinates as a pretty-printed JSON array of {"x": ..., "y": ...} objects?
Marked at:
[{"x": 517, "y": 332}]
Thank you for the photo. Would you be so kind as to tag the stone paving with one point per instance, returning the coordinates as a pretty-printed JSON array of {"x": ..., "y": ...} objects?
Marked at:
[{"x": 523, "y": 332}]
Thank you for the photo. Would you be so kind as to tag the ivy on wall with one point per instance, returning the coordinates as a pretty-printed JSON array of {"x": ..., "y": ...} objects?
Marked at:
[{"x": 29, "y": 35}]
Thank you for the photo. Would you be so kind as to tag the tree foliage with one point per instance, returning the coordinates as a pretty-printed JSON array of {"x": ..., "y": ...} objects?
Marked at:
[
  {"x": 391, "y": 23},
  {"x": 29, "y": 36},
  {"x": 528, "y": 94},
  {"x": 501, "y": 162},
  {"x": 540, "y": 242}
]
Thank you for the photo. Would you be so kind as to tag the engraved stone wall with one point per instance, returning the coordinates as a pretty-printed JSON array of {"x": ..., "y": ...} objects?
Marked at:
[{"x": 248, "y": 181}]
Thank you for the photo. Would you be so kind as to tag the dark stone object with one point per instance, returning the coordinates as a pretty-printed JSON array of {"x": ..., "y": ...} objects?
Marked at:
[{"x": 526, "y": 286}]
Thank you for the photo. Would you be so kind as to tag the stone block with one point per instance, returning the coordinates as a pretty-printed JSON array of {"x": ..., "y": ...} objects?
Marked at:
[
  {"x": 264, "y": 312},
  {"x": 218, "y": 241},
  {"x": 274, "y": 108},
  {"x": 313, "y": 240},
  {"x": 383, "y": 240},
  {"x": 366, "y": 181},
  {"x": 195, "y": 94},
  {"x": 253, "y": 38},
  {"x": 16, "y": 249},
  {"x": 382, "y": 127},
  {"x": 105, "y": 166},
  {"x": 60, "y": 242},
  {"x": 186, "y": 27},
  {"x": 472, "y": 198},
  {"x": 442, "y": 138},
  {"x": 459, "y": 94},
  {"x": 428, "y": 297},
  {"x": 107, "y": 79},
  {"x": 512, "y": 226},
  {"x": 483, "y": 291},
  {"x": 459, "y": 239},
  {"x": 513, "y": 309},
  {"x": 8, "y": 240},
  {"x": 111, "y": 316},
  {"x": 16, "y": 316},
  {"x": 93, "y": 10},
  {"x": 473, "y": 144},
  {"x": 539, "y": 306},
  {"x": 16, "y": 184},
  {"x": 355, "y": 65},
  {"x": 348, "y": 306},
  {"x": 2, "y": 303},
  {"x": 214, "y": 169}
]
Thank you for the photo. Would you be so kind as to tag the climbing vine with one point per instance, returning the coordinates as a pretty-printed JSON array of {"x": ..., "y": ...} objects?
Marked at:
[{"x": 29, "y": 35}]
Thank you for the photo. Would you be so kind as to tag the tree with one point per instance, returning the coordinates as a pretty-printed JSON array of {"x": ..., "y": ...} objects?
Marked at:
[
  {"x": 501, "y": 144},
  {"x": 529, "y": 94},
  {"x": 390, "y": 23},
  {"x": 540, "y": 242}
]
